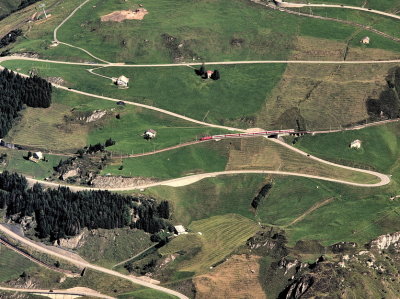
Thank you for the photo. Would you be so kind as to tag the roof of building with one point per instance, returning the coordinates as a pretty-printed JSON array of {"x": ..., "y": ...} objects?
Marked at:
[
  {"x": 123, "y": 79},
  {"x": 356, "y": 141},
  {"x": 179, "y": 229},
  {"x": 151, "y": 131}
]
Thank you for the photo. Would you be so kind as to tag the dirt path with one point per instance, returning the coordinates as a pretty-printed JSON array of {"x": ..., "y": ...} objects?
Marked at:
[
  {"x": 69, "y": 45},
  {"x": 85, "y": 264},
  {"x": 374, "y": 11},
  {"x": 238, "y": 62},
  {"x": 75, "y": 292},
  {"x": 283, "y": 7},
  {"x": 135, "y": 256},
  {"x": 310, "y": 210},
  {"x": 188, "y": 180}
]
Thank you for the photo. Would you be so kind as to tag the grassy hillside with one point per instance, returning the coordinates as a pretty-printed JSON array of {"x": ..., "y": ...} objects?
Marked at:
[
  {"x": 379, "y": 150},
  {"x": 7, "y": 6},
  {"x": 211, "y": 197},
  {"x": 58, "y": 129},
  {"x": 383, "y": 5},
  {"x": 220, "y": 236},
  {"x": 229, "y": 155},
  {"x": 109, "y": 247},
  {"x": 270, "y": 34},
  {"x": 306, "y": 209},
  {"x": 234, "y": 99},
  {"x": 15, "y": 162},
  {"x": 13, "y": 265}
]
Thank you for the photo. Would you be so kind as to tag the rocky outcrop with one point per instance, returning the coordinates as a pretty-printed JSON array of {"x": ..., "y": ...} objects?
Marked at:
[
  {"x": 286, "y": 264},
  {"x": 343, "y": 246},
  {"x": 385, "y": 241},
  {"x": 70, "y": 243},
  {"x": 70, "y": 173},
  {"x": 297, "y": 288},
  {"x": 96, "y": 115}
]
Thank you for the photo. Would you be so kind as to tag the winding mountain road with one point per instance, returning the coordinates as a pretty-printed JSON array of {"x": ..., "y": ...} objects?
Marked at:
[
  {"x": 384, "y": 179},
  {"x": 85, "y": 264},
  {"x": 70, "y": 292},
  {"x": 369, "y": 10}
]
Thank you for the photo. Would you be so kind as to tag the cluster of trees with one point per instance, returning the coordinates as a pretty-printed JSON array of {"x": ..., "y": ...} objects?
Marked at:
[
  {"x": 203, "y": 73},
  {"x": 262, "y": 194},
  {"x": 10, "y": 37},
  {"x": 152, "y": 216},
  {"x": 388, "y": 104},
  {"x": 98, "y": 147},
  {"x": 23, "y": 4},
  {"x": 16, "y": 91},
  {"x": 61, "y": 212}
]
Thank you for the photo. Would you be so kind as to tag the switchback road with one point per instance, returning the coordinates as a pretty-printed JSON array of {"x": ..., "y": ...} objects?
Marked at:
[
  {"x": 71, "y": 292},
  {"x": 83, "y": 264}
]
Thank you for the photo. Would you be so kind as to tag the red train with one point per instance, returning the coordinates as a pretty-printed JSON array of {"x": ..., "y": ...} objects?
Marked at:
[{"x": 240, "y": 135}]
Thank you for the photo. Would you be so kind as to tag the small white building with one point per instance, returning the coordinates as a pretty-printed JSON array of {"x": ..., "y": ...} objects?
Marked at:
[
  {"x": 356, "y": 144},
  {"x": 365, "y": 40},
  {"x": 38, "y": 156},
  {"x": 179, "y": 230},
  {"x": 122, "y": 81},
  {"x": 149, "y": 134},
  {"x": 209, "y": 74}
]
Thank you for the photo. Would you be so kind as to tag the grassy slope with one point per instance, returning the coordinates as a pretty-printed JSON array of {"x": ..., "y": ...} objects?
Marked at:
[
  {"x": 383, "y": 5},
  {"x": 175, "y": 163},
  {"x": 110, "y": 247},
  {"x": 380, "y": 147},
  {"x": 355, "y": 214},
  {"x": 48, "y": 129},
  {"x": 223, "y": 155},
  {"x": 239, "y": 94},
  {"x": 13, "y": 265},
  {"x": 146, "y": 294},
  {"x": 384, "y": 24},
  {"x": 220, "y": 236},
  {"x": 8, "y": 5},
  {"x": 17, "y": 163},
  {"x": 211, "y": 197},
  {"x": 188, "y": 21}
]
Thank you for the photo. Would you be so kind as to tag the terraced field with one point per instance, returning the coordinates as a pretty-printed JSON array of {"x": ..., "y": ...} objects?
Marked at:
[{"x": 220, "y": 236}]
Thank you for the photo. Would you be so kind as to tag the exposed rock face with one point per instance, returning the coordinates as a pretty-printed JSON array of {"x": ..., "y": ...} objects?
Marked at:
[
  {"x": 71, "y": 243},
  {"x": 384, "y": 241},
  {"x": 96, "y": 115},
  {"x": 297, "y": 288},
  {"x": 70, "y": 173},
  {"x": 287, "y": 264}
]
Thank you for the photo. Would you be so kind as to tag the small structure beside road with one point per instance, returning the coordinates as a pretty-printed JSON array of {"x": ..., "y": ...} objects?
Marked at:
[
  {"x": 179, "y": 230},
  {"x": 356, "y": 144},
  {"x": 149, "y": 134},
  {"x": 365, "y": 40},
  {"x": 122, "y": 81}
]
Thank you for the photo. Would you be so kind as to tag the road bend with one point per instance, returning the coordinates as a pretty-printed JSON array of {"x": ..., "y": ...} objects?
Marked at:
[{"x": 83, "y": 264}]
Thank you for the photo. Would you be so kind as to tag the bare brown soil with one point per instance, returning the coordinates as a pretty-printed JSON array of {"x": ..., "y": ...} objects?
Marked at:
[
  {"x": 236, "y": 278},
  {"x": 122, "y": 15}
]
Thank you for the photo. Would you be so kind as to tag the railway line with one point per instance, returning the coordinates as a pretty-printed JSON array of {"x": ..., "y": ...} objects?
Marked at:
[{"x": 239, "y": 133}]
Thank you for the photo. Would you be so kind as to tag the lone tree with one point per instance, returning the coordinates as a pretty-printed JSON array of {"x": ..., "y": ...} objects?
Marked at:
[
  {"x": 201, "y": 71},
  {"x": 215, "y": 75}
]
